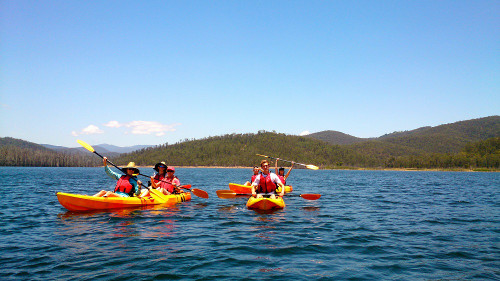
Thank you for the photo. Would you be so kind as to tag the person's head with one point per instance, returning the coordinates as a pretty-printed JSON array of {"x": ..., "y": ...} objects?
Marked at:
[
  {"x": 130, "y": 169},
  {"x": 281, "y": 171},
  {"x": 264, "y": 164},
  {"x": 170, "y": 171},
  {"x": 160, "y": 167},
  {"x": 256, "y": 170}
]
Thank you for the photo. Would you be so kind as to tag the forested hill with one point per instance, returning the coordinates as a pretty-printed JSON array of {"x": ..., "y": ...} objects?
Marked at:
[
  {"x": 466, "y": 144},
  {"x": 241, "y": 150},
  {"x": 236, "y": 150},
  {"x": 16, "y": 152},
  {"x": 335, "y": 137},
  {"x": 447, "y": 138}
]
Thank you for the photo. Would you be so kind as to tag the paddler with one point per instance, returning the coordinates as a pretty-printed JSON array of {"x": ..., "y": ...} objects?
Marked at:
[
  {"x": 281, "y": 171},
  {"x": 162, "y": 181},
  {"x": 127, "y": 185},
  {"x": 266, "y": 183},
  {"x": 256, "y": 171},
  {"x": 169, "y": 184}
]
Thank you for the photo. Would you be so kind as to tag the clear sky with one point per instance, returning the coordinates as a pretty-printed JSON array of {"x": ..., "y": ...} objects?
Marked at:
[{"x": 151, "y": 72}]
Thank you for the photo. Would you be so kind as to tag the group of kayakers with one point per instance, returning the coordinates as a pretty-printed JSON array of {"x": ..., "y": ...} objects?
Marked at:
[
  {"x": 128, "y": 185},
  {"x": 265, "y": 183}
]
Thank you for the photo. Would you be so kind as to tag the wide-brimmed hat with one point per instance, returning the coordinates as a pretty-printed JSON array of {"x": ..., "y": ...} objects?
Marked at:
[
  {"x": 131, "y": 165},
  {"x": 170, "y": 168},
  {"x": 159, "y": 164}
]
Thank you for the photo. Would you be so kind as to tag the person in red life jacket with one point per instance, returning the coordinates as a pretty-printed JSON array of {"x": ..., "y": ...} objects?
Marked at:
[
  {"x": 266, "y": 183},
  {"x": 281, "y": 172},
  {"x": 127, "y": 185},
  {"x": 156, "y": 178},
  {"x": 256, "y": 171},
  {"x": 169, "y": 184}
]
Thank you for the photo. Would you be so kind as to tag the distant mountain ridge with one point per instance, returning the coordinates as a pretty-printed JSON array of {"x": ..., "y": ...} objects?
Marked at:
[
  {"x": 446, "y": 138},
  {"x": 465, "y": 144},
  {"x": 119, "y": 149},
  {"x": 336, "y": 137}
]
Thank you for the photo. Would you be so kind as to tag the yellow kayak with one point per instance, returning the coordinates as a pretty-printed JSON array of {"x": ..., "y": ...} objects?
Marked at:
[
  {"x": 242, "y": 189},
  {"x": 78, "y": 202},
  {"x": 265, "y": 203}
]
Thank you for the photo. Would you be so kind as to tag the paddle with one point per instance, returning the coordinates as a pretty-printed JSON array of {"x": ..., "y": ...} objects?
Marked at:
[
  {"x": 197, "y": 192},
  {"x": 309, "y": 166},
  {"x": 228, "y": 194},
  {"x": 157, "y": 193}
]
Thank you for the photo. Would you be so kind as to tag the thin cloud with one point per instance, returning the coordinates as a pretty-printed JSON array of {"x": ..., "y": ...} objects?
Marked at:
[
  {"x": 113, "y": 124},
  {"x": 89, "y": 130},
  {"x": 144, "y": 127},
  {"x": 305, "y": 133}
]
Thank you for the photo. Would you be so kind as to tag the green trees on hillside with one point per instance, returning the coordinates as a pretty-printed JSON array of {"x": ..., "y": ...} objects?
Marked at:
[
  {"x": 241, "y": 149},
  {"x": 14, "y": 152}
]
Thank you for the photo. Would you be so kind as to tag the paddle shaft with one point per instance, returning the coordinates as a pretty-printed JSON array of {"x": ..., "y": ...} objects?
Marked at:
[
  {"x": 306, "y": 165},
  {"x": 228, "y": 194}
]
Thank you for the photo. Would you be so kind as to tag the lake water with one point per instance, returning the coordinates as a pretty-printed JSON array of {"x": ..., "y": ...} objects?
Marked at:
[{"x": 368, "y": 225}]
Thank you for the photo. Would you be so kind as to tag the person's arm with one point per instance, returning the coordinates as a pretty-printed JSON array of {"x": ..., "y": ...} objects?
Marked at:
[
  {"x": 137, "y": 186},
  {"x": 276, "y": 166},
  {"x": 111, "y": 174},
  {"x": 153, "y": 182},
  {"x": 288, "y": 173},
  {"x": 255, "y": 183},
  {"x": 277, "y": 181},
  {"x": 176, "y": 182}
]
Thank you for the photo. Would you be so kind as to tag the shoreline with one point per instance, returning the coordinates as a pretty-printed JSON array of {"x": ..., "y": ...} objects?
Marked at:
[
  {"x": 477, "y": 170},
  {"x": 350, "y": 169}
]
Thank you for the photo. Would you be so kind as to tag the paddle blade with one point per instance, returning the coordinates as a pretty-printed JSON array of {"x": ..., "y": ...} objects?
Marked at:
[
  {"x": 225, "y": 194},
  {"x": 86, "y": 145},
  {"x": 200, "y": 193},
  {"x": 310, "y": 196},
  {"x": 157, "y": 195},
  {"x": 312, "y": 167}
]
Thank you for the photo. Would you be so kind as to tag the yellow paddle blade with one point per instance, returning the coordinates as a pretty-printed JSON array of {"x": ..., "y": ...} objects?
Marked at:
[
  {"x": 158, "y": 195},
  {"x": 262, "y": 155},
  {"x": 312, "y": 167},
  {"x": 86, "y": 145}
]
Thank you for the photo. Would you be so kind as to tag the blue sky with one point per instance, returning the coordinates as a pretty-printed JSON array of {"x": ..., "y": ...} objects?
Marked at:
[{"x": 151, "y": 72}]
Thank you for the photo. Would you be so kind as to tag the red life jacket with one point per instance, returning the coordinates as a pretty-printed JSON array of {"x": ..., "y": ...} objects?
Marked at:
[
  {"x": 282, "y": 179},
  {"x": 124, "y": 185},
  {"x": 166, "y": 183},
  {"x": 266, "y": 185},
  {"x": 158, "y": 178}
]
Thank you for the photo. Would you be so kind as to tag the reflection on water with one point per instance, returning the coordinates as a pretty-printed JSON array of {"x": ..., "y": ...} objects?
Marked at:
[{"x": 311, "y": 209}]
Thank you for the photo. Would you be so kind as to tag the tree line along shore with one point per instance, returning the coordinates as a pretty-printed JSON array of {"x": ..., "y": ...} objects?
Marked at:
[{"x": 471, "y": 145}]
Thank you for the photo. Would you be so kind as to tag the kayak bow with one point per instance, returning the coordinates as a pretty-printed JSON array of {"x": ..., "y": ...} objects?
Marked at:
[{"x": 265, "y": 203}]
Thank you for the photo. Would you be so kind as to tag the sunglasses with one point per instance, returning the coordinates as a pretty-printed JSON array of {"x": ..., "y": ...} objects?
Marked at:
[{"x": 170, "y": 171}]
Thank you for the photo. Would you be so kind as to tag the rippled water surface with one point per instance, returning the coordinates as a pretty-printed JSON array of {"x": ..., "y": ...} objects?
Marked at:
[{"x": 368, "y": 225}]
